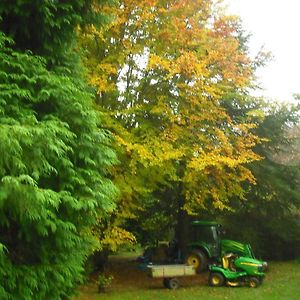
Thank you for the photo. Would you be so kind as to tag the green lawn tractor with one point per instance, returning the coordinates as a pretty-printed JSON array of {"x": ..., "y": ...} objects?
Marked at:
[{"x": 236, "y": 271}]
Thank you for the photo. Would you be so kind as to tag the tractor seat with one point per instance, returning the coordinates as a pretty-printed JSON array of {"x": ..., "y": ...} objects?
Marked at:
[
  {"x": 228, "y": 261},
  {"x": 225, "y": 262}
]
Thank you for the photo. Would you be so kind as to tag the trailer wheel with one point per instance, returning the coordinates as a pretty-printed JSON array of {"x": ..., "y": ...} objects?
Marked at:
[
  {"x": 173, "y": 283},
  {"x": 254, "y": 282},
  {"x": 198, "y": 260},
  {"x": 166, "y": 282},
  {"x": 216, "y": 279}
]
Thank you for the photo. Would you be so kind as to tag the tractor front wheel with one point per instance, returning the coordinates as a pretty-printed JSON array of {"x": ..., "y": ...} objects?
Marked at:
[
  {"x": 216, "y": 279},
  {"x": 198, "y": 260},
  {"x": 254, "y": 282}
]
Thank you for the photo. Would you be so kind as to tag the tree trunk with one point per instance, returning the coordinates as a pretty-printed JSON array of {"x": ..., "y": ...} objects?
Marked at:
[{"x": 182, "y": 230}]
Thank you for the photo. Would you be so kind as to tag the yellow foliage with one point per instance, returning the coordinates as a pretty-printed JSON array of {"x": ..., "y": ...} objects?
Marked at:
[
  {"x": 115, "y": 237},
  {"x": 156, "y": 61},
  {"x": 164, "y": 70}
]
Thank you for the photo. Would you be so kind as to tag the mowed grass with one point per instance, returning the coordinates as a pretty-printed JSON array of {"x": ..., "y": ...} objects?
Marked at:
[{"x": 282, "y": 282}]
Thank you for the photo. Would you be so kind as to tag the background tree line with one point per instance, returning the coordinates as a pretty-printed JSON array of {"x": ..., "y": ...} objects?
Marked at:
[{"x": 119, "y": 119}]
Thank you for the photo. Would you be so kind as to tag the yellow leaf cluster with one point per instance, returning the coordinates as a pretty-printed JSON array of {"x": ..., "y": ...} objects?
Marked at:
[
  {"x": 115, "y": 237},
  {"x": 156, "y": 61}
]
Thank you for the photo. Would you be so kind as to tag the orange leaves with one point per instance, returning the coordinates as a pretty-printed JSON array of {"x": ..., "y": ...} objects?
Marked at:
[
  {"x": 187, "y": 63},
  {"x": 225, "y": 26},
  {"x": 225, "y": 53}
]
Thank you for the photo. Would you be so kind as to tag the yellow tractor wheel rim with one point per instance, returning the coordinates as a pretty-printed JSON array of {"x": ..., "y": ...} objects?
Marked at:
[
  {"x": 215, "y": 280},
  {"x": 193, "y": 261},
  {"x": 252, "y": 284}
]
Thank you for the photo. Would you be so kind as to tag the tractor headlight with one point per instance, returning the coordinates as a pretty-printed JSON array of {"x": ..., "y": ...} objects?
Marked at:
[{"x": 263, "y": 267}]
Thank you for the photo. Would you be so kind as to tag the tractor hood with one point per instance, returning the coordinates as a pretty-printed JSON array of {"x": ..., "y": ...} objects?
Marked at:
[
  {"x": 247, "y": 261},
  {"x": 250, "y": 265}
]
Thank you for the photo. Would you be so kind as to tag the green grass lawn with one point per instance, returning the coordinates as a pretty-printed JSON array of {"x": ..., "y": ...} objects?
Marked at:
[{"x": 282, "y": 282}]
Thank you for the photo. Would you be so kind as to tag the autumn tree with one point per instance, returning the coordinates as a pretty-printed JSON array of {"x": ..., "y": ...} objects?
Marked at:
[
  {"x": 163, "y": 71},
  {"x": 55, "y": 155}
]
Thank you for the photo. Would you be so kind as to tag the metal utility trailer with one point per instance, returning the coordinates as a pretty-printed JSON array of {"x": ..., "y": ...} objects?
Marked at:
[{"x": 169, "y": 273}]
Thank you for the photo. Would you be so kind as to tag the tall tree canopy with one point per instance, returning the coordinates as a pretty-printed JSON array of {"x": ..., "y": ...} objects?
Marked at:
[{"x": 164, "y": 71}]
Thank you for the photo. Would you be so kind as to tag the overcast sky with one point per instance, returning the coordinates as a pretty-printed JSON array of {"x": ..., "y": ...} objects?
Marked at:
[{"x": 274, "y": 24}]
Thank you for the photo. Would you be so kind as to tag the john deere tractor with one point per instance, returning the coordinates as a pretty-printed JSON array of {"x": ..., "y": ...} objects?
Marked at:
[{"x": 206, "y": 245}]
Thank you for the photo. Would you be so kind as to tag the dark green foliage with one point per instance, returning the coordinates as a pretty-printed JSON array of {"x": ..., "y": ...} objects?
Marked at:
[
  {"x": 156, "y": 222},
  {"x": 269, "y": 218},
  {"x": 45, "y": 27},
  {"x": 53, "y": 169}
]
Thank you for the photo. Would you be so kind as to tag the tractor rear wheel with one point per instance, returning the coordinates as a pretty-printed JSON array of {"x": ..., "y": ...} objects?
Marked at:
[
  {"x": 216, "y": 279},
  {"x": 198, "y": 260}
]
